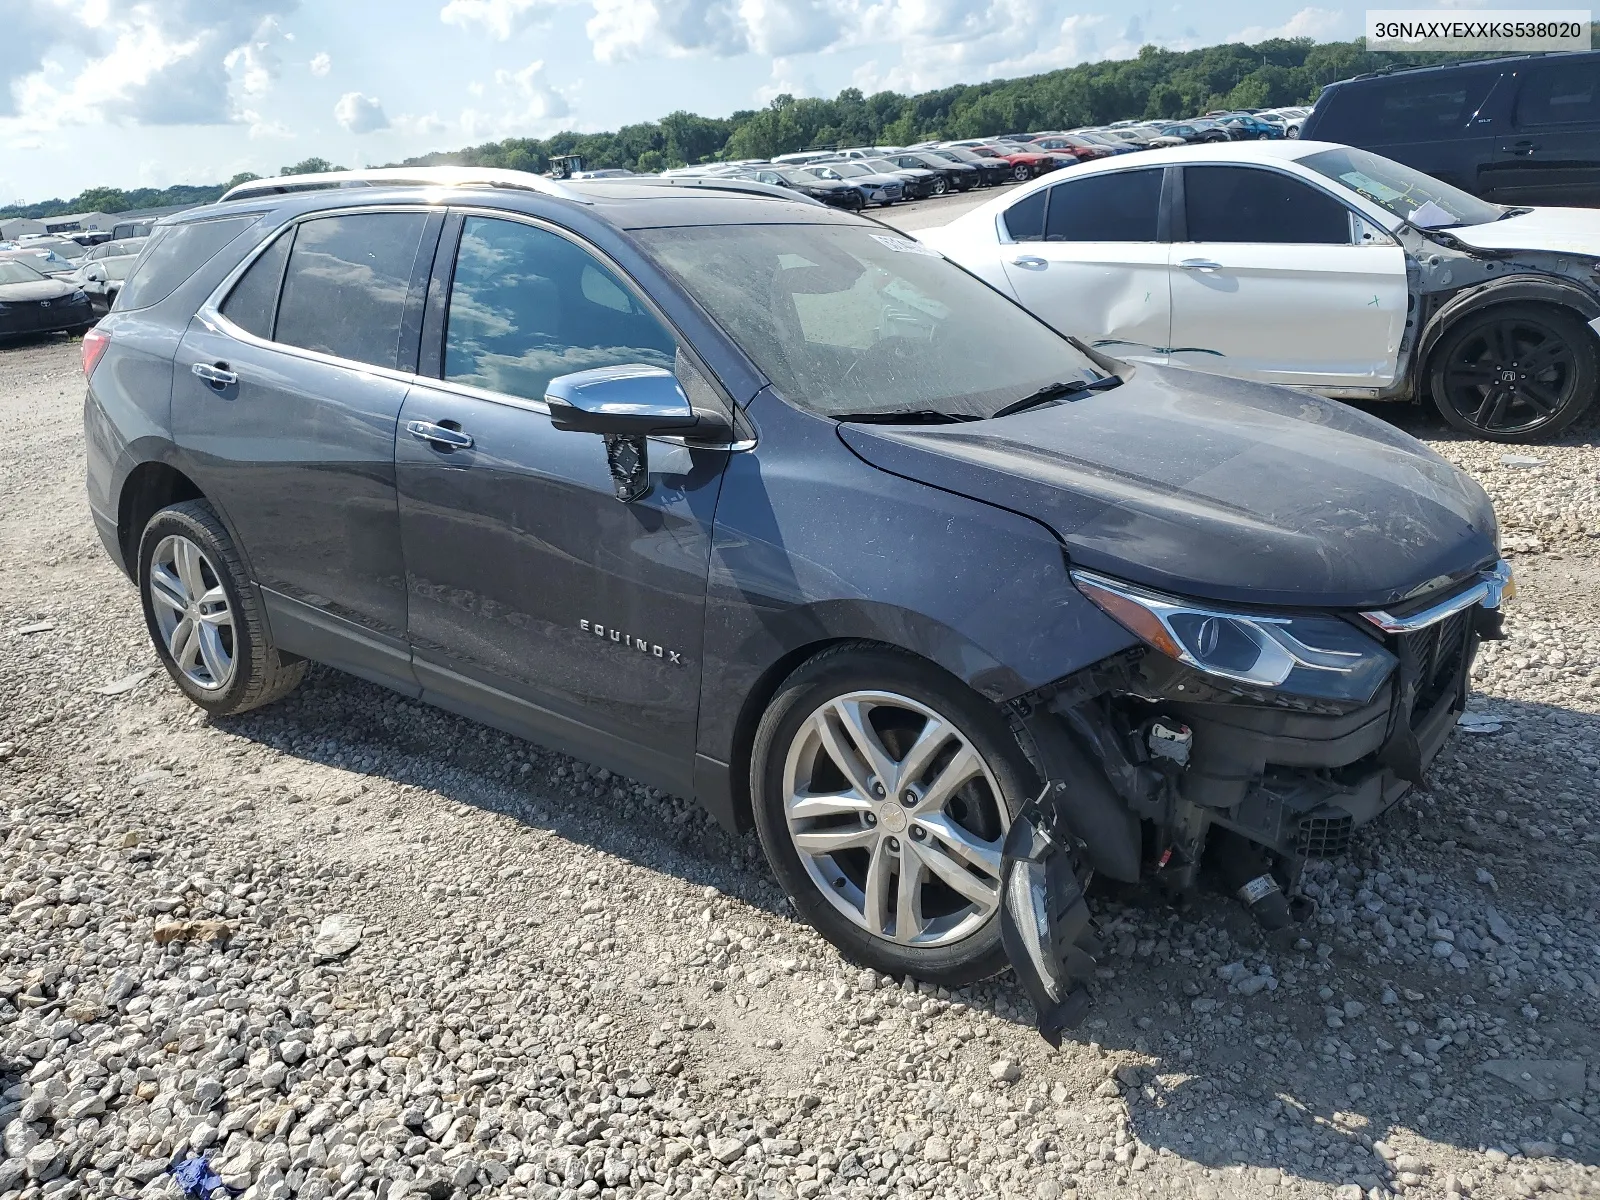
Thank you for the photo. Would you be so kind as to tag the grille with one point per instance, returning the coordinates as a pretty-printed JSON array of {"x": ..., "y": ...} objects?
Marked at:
[
  {"x": 1439, "y": 650},
  {"x": 1326, "y": 836}
]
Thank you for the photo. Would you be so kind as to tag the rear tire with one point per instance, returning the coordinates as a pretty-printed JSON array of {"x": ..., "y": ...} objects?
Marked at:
[
  {"x": 1515, "y": 372},
  {"x": 205, "y": 616},
  {"x": 949, "y": 937}
]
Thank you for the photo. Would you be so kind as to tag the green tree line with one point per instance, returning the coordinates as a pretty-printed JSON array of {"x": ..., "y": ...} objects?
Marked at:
[{"x": 1157, "y": 84}]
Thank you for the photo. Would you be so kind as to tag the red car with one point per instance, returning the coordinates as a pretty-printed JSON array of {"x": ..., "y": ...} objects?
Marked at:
[
  {"x": 1025, "y": 164},
  {"x": 1080, "y": 148}
]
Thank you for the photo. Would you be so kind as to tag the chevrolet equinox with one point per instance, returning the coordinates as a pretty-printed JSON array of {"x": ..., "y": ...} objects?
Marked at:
[{"x": 759, "y": 502}]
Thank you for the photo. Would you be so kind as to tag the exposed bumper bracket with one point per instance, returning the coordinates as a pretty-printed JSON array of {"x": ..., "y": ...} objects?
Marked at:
[{"x": 1045, "y": 925}]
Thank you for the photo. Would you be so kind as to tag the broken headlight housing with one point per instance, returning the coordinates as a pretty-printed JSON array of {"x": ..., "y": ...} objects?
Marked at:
[{"x": 1310, "y": 655}]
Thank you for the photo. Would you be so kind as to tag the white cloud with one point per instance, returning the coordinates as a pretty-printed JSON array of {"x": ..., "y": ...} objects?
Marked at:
[
  {"x": 170, "y": 63},
  {"x": 498, "y": 18},
  {"x": 940, "y": 41},
  {"x": 528, "y": 105},
  {"x": 628, "y": 29},
  {"x": 321, "y": 64},
  {"x": 424, "y": 126},
  {"x": 360, "y": 114},
  {"x": 260, "y": 127},
  {"x": 1317, "y": 23}
]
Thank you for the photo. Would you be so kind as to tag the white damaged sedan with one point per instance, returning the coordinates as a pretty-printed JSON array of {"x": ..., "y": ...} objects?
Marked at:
[{"x": 1309, "y": 264}]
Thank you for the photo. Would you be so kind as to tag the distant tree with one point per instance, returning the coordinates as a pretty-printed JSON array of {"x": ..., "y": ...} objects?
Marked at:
[
  {"x": 104, "y": 199},
  {"x": 311, "y": 166},
  {"x": 242, "y": 177}
]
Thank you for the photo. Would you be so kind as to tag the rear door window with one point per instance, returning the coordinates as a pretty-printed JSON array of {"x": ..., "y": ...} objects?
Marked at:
[
  {"x": 527, "y": 305},
  {"x": 177, "y": 252},
  {"x": 252, "y": 305},
  {"x": 1122, "y": 206},
  {"x": 1245, "y": 204},
  {"x": 345, "y": 288},
  {"x": 1557, "y": 93}
]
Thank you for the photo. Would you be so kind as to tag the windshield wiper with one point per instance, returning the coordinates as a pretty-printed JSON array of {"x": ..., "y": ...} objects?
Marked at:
[
  {"x": 918, "y": 416},
  {"x": 1514, "y": 212},
  {"x": 1058, "y": 391}
]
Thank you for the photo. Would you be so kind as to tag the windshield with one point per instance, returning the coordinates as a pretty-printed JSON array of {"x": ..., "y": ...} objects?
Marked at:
[
  {"x": 799, "y": 178},
  {"x": 850, "y": 319},
  {"x": 118, "y": 268},
  {"x": 848, "y": 170},
  {"x": 12, "y": 271},
  {"x": 882, "y": 166},
  {"x": 1421, "y": 199}
]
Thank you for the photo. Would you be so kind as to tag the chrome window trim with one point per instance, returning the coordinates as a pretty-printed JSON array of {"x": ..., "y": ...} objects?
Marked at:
[
  {"x": 1488, "y": 591},
  {"x": 633, "y": 289},
  {"x": 211, "y": 311}
]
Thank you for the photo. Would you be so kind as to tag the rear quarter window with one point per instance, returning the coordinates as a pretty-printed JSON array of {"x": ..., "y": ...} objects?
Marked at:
[
  {"x": 175, "y": 253},
  {"x": 1392, "y": 111},
  {"x": 1556, "y": 92}
]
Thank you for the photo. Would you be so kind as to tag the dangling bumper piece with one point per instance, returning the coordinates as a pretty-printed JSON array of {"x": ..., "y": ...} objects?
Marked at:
[{"x": 1045, "y": 924}]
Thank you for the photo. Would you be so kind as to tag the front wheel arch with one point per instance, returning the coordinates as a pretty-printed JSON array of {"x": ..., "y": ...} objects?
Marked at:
[{"x": 1508, "y": 306}]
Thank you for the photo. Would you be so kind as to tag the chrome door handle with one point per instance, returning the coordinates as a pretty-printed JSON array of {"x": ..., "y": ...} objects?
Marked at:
[
  {"x": 1032, "y": 261},
  {"x": 1525, "y": 147},
  {"x": 1199, "y": 264},
  {"x": 439, "y": 435},
  {"x": 217, "y": 373}
]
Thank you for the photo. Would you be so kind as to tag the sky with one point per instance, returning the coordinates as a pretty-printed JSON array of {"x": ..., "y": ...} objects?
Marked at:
[{"x": 133, "y": 93}]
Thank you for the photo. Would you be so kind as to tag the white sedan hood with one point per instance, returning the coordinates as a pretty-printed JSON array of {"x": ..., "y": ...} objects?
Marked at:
[{"x": 1563, "y": 230}]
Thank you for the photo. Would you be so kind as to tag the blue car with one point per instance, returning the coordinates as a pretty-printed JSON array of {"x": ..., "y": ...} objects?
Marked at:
[{"x": 730, "y": 492}]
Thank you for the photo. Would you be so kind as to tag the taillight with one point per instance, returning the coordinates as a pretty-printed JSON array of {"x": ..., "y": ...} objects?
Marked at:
[{"x": 95, "y": 345}]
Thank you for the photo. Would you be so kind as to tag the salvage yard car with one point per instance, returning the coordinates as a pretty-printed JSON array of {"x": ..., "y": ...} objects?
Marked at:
[
  {"x": 727, "y": 491},
  {"x": 32, "y": 302},
  {"x": 1314, "y": 265}
]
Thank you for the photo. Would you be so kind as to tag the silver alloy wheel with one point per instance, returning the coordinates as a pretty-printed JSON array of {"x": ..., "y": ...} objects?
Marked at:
[
  {"x": 192, "y": 612},
  {"x": 896, "y": 818}
]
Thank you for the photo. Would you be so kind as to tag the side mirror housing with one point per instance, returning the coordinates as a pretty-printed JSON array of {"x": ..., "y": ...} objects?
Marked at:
[{"x": 633, "y": 400}]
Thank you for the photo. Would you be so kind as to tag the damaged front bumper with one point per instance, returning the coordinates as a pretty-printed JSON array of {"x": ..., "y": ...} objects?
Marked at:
[{"x": 1156, "y": 771}]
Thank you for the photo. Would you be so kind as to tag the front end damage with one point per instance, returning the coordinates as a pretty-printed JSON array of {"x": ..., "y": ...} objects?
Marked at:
[{"x": 1160, "y": 770}]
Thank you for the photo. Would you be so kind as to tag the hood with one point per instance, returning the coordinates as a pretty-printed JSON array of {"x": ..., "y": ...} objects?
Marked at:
[
  {"x": 876, "y": 180},
  {"x": 1215, "y": 488},
  {"x": 1564, "y": 230},
  {"x": 39, "y": 289}
]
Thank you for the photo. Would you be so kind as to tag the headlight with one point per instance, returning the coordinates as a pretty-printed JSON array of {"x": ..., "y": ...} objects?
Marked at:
[
  {"x": 1315, "y": 656},
  {"x": 80, "y": 294}
]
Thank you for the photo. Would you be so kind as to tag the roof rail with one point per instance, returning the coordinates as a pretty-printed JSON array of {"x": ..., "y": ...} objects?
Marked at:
[
  {"x": 1486, "y": 60},
  {"x": 445, "y": 177}
]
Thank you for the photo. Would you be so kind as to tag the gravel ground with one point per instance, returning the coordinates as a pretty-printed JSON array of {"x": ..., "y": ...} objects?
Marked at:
[{"x": 354, "y": 947}]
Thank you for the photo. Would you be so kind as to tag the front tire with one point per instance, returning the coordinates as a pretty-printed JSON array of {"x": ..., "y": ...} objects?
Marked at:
[
  {"x": 1515, "y": 372},
  {"x": 940, "y": 187},
  {"x": 1021, "y": 172},
  {"x": 882, "y": 791},
  {"x": 205, "y": 616}
]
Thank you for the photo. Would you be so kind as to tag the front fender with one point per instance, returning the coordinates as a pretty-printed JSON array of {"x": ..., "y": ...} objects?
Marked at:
[
  {"x": 812, "y": 545},
  {"x": 1529, "y": 286}
]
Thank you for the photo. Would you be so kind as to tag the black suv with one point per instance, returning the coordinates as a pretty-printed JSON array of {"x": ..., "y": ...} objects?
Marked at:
[
  {"x": 729, "y": 491},
  {"x": 1522, "y": 130}
]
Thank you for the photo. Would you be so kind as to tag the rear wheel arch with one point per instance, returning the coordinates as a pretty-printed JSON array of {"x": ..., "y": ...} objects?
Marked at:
[{"x": 149, "y": 487}]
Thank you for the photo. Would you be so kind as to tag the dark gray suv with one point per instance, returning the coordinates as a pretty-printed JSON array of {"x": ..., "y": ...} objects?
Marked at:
[{"x": 763, "y": 503}]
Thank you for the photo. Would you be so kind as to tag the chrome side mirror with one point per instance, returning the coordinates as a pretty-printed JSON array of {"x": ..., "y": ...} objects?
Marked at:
[{"x": 626, "y": 405}]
